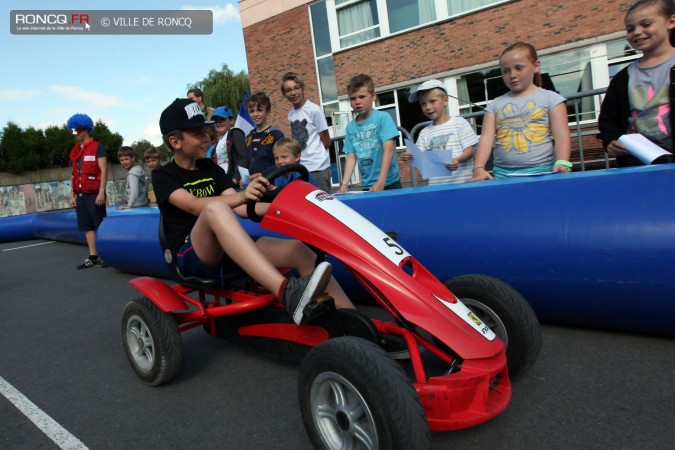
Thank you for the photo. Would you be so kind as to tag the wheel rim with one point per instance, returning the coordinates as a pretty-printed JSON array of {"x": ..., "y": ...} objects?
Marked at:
[
  {"x": 341, "y": 414},
  {"x": 140, "y": 343},
  {"x": 488, "y": 317}
]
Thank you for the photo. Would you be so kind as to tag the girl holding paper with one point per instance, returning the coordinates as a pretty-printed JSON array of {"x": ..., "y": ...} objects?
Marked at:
[{"x": 639, "y": 98}]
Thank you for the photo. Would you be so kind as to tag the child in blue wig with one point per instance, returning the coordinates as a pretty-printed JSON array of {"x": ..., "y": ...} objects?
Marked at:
[{"x": 90, "y": 171}]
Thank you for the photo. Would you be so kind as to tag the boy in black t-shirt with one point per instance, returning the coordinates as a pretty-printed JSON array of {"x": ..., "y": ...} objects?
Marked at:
[{"x": 198, "y": 202}]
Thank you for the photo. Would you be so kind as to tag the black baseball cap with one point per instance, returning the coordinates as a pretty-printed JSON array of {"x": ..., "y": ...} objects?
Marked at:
[{"x": 183, "y": 113}]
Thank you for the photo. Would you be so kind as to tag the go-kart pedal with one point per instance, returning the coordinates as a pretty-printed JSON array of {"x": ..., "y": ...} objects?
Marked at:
[{"x": 318, "y": 306}]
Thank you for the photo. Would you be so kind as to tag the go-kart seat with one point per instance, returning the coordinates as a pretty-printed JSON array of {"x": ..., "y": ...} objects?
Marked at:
[{"x": 191, "y": 281}]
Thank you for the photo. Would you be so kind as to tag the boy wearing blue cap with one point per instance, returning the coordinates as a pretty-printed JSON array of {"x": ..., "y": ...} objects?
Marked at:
[
  {"x": 90, "y": 173},
  {"x": 230, "y": 150},
  {"x": 199, "y": 207},
  {"x": 223, "y": 119}
]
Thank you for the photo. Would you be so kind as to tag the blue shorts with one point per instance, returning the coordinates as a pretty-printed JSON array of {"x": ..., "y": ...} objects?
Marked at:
[
  {"x": 389, "y": 187},
  {"x": 190, "y": 265},
  {"x": 89, "y": 214}
]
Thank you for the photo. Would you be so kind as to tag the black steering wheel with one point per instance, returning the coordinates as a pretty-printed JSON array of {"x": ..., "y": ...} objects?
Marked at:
[{"x": 272, "y": 193}]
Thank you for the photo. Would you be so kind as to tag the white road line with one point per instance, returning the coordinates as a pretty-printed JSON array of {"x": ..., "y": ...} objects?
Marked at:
[
  {"x": 46, "y": 424},
  {"x": 26, "y": 246}
]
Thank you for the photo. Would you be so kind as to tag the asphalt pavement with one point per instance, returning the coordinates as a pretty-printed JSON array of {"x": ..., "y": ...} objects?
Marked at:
[{"x": 61, "y": 349}]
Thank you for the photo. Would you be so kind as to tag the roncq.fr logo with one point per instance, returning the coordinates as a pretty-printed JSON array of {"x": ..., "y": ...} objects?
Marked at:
[{"x": 51, "y": 19}]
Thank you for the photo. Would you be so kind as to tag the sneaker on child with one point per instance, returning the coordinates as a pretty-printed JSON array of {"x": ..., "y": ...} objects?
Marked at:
[
  {"x": 299, "y": 292},
  {"x": 89, "y": 263}
]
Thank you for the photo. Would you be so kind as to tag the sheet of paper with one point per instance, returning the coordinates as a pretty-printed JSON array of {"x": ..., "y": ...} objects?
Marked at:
[
  {"x": 244, "y": 175},
  {"x": 642, "y": 148},
  {"x": 430, "y": 163}
]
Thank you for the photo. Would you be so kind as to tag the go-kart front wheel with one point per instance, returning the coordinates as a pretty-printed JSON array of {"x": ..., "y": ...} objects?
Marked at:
[
  {"x": 353, "y": 395},
  {"x": 507, "y": 314},
  {"x": 151, "y": 341}
]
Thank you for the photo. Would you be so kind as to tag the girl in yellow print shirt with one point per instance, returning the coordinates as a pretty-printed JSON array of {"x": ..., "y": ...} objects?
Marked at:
[{"x": 527, "y": 126}]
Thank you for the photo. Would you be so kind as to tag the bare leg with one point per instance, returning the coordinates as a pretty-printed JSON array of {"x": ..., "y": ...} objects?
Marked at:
[
  {"x": 91, "y": 242},
  {"x": 218, "y": 231}
]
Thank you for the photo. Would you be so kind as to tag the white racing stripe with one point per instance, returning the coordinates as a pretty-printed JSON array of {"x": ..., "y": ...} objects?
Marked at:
[
  {"x": 46, "y": 424},
  {"x": 26, "y": 246}
]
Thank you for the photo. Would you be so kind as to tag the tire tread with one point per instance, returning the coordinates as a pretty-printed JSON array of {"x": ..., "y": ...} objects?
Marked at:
[{"x": 368, "y": 366}]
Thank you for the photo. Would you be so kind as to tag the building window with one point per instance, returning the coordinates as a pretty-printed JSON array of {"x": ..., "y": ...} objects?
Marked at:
[
  {"x": 327, "y": 79},
  {"x": 404, "y": 14},
  {"x": 386, "y": 102},
  {"x": 357, "y": 21},
  {"x": 566, "y": 73},
  {"x": 620, "y": 55},
  {"x": 457, "y": 7},
  {"x": 570, "y": 73},
  {"x": 323, "y": 54},
  {"x": 353, "y": 22},
  {"x": 320, "y": 30}
]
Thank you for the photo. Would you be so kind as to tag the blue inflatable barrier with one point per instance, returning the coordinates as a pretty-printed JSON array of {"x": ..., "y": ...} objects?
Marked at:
[
  {"x": 127, "y": 240},
  {"x": 593, "y": 248},
  {"x": 58, "y": 226},
  {"x": 17, "y": 228}
]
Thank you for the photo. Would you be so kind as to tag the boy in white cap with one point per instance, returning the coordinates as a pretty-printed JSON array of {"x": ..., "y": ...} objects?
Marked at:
[
  {"x": 199, "y": 207},
  {"x": 445, "y": 133}
]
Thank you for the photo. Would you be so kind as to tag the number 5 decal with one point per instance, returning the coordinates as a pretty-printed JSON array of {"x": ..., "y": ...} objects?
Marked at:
[{"x": 390, "y": 243}]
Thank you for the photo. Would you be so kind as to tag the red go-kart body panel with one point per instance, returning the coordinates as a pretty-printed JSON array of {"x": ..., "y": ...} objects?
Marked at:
[{"x": 418, "y": 297}]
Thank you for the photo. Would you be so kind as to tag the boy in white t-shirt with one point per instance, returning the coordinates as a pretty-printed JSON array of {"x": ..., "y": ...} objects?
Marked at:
[
  {"x": 445, "y": 133},
  {"x": 310, "y": 129}
]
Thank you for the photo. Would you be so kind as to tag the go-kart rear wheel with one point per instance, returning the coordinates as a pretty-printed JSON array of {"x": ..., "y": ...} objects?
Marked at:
[
  {"x": 506, "y": 312},
  {"x": 151, "y": 341},
  {"x": 353, "y": 395}
]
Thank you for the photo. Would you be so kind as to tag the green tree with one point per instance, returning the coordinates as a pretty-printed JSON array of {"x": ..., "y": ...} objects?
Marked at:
[
  {"x": 32, "y": 144},
  {"x": 223, "y": 87},
  {"x": 140, "y": 147},
  {"x": 59, "y": 141},
  {"x": 111, "y": 141},
  {"x": 10, "y": 149}
]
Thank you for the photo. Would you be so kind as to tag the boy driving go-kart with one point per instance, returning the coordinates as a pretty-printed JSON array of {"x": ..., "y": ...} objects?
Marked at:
[
  {"x": 198, "y": 200},
  {"x": 352, "y": 393}
]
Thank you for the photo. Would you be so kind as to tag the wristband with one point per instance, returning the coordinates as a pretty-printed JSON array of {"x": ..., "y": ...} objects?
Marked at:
[
  {"x": 479, "y": 167},
  {"x": 564, "y": 163}
]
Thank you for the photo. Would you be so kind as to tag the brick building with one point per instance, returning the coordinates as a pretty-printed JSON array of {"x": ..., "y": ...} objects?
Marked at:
[{"x": 401, "y": 43}]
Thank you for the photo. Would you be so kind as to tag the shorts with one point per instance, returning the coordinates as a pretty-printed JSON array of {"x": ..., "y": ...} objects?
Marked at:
[
  {"x": 190, "y": 265},
  {"x": 89, "y": 214},
  {"x": 499, "y": 172},
  {"x": 322, "y": 178}
]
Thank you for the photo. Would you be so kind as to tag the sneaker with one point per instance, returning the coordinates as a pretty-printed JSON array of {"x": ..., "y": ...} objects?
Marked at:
[
  {"x": 395, "y": 346},
  {"x": 89, "y": 263},
  {"x": 299, "y": 292}
]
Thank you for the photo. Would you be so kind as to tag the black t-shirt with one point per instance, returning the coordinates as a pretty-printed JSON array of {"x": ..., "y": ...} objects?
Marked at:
[{"x": 208, "y": 180}]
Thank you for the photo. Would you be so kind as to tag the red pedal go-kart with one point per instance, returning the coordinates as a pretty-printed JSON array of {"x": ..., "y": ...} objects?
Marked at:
[{"x": 352, "y": 393}]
